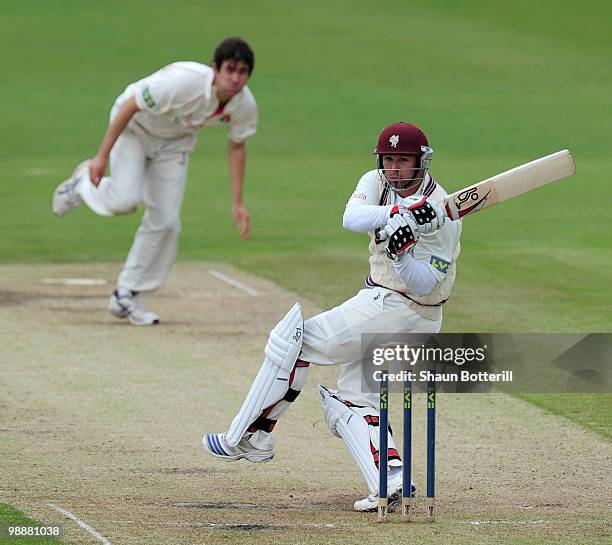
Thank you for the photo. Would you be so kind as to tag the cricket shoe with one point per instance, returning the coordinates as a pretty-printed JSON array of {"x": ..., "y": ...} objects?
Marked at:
[
  {"x": 216, "y": 445},
  {"x": 125, "y": 304},
  {"x": 66, "y": 196},
  {"x": 370, "y": 504}
]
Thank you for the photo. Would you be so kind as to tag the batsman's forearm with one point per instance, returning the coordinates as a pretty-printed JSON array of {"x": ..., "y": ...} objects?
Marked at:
[
  {"x": 415, "y": 275},
  {"x": 116, "y": 126},
  {"x": 365, "y": 217}
]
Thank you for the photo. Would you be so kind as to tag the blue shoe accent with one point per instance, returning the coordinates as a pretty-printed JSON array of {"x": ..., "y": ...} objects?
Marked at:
[
  {"x": 210, "y": 445},
  {"x": 220, "y": 448},
  {"x": 215, "y": 445}
]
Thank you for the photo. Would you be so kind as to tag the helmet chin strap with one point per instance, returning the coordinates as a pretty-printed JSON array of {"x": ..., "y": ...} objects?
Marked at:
[
  {"x": 421, "y": 188},
  {"x": 411, "y": 183}
]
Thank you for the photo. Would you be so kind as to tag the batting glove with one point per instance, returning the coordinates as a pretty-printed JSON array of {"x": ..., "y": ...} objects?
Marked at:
[
  {"x": 402, "y": 234},
  {"x": 428, "y": 215}
]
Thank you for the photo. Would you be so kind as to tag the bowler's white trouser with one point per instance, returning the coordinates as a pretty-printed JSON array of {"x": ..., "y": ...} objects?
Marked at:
[
  {"x": 153, "y": 171},
  {"x": 334, "y": 336}
]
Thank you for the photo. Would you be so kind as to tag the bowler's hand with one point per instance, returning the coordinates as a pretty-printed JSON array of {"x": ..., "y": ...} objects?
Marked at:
[
  {"x": 97, "y": 169},
  {"x": 242, "y": 219}
]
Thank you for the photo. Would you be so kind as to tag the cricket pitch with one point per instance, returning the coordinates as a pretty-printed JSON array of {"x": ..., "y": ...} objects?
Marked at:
[{"x": 104, "y": 420}]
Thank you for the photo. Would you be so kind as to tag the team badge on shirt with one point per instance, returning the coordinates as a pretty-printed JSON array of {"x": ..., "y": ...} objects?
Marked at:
[
  {"x": 146, "y": 95},
  {"x": 439, "y": 264}
]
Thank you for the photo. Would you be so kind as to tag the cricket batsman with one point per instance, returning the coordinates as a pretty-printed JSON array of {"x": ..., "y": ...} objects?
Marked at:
[
  {"x": 413, "y": 256},
  {"x": 152, "y": 131}
]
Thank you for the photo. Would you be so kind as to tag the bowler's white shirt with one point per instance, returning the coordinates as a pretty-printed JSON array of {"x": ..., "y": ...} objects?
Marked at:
[{"x": 181, "y": 98}]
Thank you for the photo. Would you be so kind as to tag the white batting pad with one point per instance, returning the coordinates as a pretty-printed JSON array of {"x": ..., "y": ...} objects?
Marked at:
[
  {"x": 361, "y": 438},
  {"x": 272, "y": 381}
]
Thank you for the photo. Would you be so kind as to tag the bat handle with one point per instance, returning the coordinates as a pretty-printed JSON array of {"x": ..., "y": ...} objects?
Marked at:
[
  {"x": 451, "y": 209},
  {"x": 381, "y": 235}
]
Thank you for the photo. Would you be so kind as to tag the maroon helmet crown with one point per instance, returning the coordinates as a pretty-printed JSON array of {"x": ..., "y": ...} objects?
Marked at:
[{"x": 401, "y": 138}]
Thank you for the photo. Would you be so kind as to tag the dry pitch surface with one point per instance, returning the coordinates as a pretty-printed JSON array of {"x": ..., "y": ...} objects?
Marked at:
[{"x": 104, "y": 420}]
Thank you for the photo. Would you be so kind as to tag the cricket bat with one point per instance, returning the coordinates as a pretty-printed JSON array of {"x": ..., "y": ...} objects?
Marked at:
[{"x": 509, "y": 184}]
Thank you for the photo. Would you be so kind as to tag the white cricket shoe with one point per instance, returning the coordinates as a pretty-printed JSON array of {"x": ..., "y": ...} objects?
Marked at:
[
  {"x": 66, "y": 196},
  {"x": 215, "y": 445},
  {"x": 370, "y": 504},
  {"x": 125, "y": 304}
]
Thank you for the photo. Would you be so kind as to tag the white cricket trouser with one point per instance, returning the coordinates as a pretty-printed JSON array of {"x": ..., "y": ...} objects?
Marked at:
[
  {"x": 153, "y": 171},
  {"x": 334, "y": 337}
]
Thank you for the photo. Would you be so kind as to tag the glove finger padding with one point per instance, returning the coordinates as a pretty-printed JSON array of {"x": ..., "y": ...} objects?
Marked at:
[
  {"x": 428, "y": 215},
  {"x": 402, "y": 234}
]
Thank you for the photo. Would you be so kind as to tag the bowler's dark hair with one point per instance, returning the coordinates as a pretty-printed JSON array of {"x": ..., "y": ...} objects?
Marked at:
[{"x": 234, "y": 49}]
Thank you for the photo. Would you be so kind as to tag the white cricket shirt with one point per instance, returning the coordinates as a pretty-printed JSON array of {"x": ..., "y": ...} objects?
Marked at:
[
  {"x": 180, "y": 98},
  {"x": 438, "y": 250}
]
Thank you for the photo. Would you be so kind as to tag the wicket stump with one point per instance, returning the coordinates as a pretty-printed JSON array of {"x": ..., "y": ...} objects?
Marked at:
[
  {"x": 431, "y": 449},
  {"x": 383, "y": 451},
  {"x": 408, "y": 501}
]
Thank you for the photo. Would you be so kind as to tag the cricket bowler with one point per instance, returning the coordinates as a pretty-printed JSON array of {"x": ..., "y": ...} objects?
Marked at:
[{"x": 152, "y": 131}]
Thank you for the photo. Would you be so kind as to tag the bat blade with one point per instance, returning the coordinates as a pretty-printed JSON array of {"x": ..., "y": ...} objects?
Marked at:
[{"x": 510, "y": 184}]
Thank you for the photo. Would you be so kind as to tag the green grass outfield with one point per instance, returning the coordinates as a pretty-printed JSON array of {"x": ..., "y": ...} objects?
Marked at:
[{"x": 493, "y": 84}]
